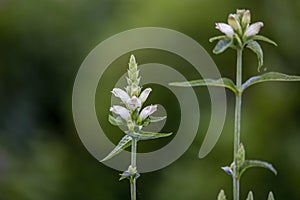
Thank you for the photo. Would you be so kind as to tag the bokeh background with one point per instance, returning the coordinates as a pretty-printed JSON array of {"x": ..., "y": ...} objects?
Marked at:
[{"x": 42, "y": 45}]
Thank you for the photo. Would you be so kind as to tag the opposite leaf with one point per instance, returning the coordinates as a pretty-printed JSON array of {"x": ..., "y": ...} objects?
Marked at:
[
  {"x": 263, "y": 38},
  {"x": 143, "y": 135},
  {"x": 222, "y": 45},
  {"x": 255, "y": 163},
  {"x": 123, "y": 144},
  {"x": 270, "y": 76},
  {"x": 222, "y": 82},
  {"x": 255, "y": 47},
  {"x": 250, "y": 196}
]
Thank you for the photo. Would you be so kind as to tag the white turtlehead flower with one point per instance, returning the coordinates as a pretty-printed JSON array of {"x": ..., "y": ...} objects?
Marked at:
[
  {"x": 147, "y": 111},
  {"x": 134, "y": 103},
  {"x": 121, "y": 111},
  {"x": 225, "y": 28},
  {"x": 121, "y": 94},
  {"x": 144, "y": 95},
  {"x": 253, "y": 29},
  {"x": 246, "y": 19}
]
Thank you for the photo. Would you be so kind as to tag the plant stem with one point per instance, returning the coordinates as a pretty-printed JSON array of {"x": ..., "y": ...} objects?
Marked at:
[
  {"x": 133, "y": 164},
  {"x": 237, "y": 124}
]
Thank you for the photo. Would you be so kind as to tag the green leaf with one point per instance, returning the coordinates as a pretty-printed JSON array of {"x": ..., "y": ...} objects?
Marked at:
[
  {"x": 250, "y": 196},
  {"x": 222, "y": 45},
  {"x": 263, "y": 38},
  {"x": 220, "y": 37},
  {"x": 222, "y": 195},
  {"x": 255, "y": 163},
  {"x": 222, "y": 82},
  {"x": 270, "y": 76},
  {"x": 116, "y": 121},
  {"x": 157, "y": 119},
  {"x": 123, "y": 144},
  {"x": 143, "y": 135},
  {"x": 240, "y": 155},
  {"x": 255, "y": 47},
  {"x": 271, "y": 196}
]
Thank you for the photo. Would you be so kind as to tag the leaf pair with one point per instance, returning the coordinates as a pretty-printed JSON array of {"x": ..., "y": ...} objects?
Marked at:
[{"x": 228, "y": 83}]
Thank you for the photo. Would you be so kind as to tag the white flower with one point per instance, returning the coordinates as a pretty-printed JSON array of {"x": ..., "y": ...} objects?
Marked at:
[
  {"x": 253, "y": 29},
  {"x": 144, "y": 95},
  {"x": 121, "y": 111},
  {"x": 225, "y": 28},
  {"x": 147, "y": 111},
  {"x": 134, "y": 103},
  {"x": 121, "y": 94}
]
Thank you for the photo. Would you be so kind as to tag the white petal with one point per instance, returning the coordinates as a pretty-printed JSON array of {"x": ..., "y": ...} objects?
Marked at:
[
  {"x": 133, "y": 103},
  {"x": 253, "y": 29},
  {"x": 225, "y": 28},
  {"x": 233, "y": 21},
  {"x": 144, "y": 95},
  {"x": 121, "y": 94},
  {"x": 147, "y": 111},
  {"x": 119, "y": 110}
]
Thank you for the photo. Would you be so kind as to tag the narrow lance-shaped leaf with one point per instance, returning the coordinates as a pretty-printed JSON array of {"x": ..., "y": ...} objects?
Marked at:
[
  {"x": 222, "y": 195},
  {"x": 222, "y": 82},
  {"x": 116, "y": 121},
  {"x": 222, "y": 45},
  {"x": 255, "y": 163},
  {"x": 157, "y": 119},
  {"x": 143, "y": 135},
  {"x": 250, "y": 196},
  {"x": 270, "y": 76},
  {"x": 255, "y": 47},
  {"x": 123, "y": 144},
  {"x": 220, "y": 37},
  {"x": 240, "y": 155},
  {"x": 263, "y": 38}
]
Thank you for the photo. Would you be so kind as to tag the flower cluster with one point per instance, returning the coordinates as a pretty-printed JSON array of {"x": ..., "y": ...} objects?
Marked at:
[
  {"x": 239, "y": 33},
  {"x": 132, "y": 98}
]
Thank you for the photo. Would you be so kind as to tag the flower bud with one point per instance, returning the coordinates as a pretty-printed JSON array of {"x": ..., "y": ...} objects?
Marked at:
[
  {"x": 234, "y": 22},
  {"x": 225, "y": 28},
  {"x": 147, "y": 111},
  {"x": 144, "y": 95},
  {"x": 121, "y": 111},
  {"x": 253, "y": 29},
  {"x": 121, "y": 94},
  {"x": 246, "y": 19}
]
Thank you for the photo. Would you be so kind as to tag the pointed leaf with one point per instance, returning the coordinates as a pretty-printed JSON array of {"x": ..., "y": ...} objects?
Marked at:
[
  {"x": 143, "y": 135},
  {"x": 220, "y": 37},
  {"x": 222, "y": 195},
  {"x": 123, "y": 144},
  {"x": 240, "y": 155},
  {"x": 116, "y": 121},
  {"x": 222, "y": 45},
  {"x": 222, "y": 82},
  {"x": 157, "y": 119},
  {"x": 263, "y": 38},
  {"x": 270, "y": 76},
  {"x": 250, "y": 196},
  {"x": 255, "y": 163},
  {"x": 271, "y": 196},
  {"x": 255, "y": 47}
]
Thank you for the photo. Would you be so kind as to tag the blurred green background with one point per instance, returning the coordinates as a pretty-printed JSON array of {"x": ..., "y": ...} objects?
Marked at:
[{"x": 42, "y": 45}]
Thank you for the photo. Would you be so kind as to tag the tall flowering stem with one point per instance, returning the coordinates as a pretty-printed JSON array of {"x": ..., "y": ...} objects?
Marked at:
[
  {"x": 135, "y": 118},
  {"x": 238, "y": 35}
]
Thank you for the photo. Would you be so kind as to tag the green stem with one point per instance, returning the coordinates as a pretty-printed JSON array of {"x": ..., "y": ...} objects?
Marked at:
[
  {"x": 133, "y": 164},
  {"x": 237, "y": 124}
]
